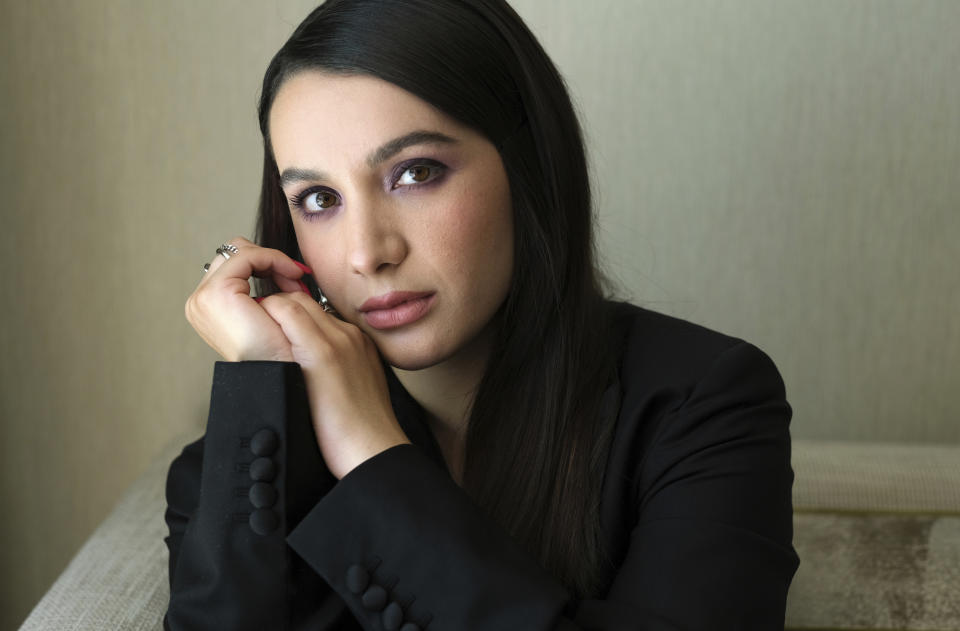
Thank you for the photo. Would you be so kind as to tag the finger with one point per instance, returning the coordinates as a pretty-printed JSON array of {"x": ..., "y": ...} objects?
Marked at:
[
  {"x": 219, "y": 259},
  {"x": 284, "y": 283},
  {"x": 281, "y": 277},
  {"x": 254, "y": 260},
  {"x": 299, "y": 325},
  {"x": 314, "y": 309},
  {"x": 211, "y": 267},
  {"x": 325, "y": 330},
  {"x": 320, "y": 319},
  {"x": 334, "y": 327}
]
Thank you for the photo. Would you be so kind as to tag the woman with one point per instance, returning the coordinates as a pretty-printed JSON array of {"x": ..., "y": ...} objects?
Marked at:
[{"x": 474, "y": 438}]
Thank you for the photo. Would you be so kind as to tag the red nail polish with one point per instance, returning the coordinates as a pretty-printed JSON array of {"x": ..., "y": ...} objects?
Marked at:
[
  {"x": 304, "y": 267},
  {"x": 259, "y": 298}
]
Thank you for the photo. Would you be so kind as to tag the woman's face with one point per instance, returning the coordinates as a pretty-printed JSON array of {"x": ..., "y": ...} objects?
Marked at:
[{"x": 390, "y": 195}]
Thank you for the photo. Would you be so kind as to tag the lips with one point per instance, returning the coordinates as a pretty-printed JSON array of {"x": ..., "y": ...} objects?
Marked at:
[
  {"x": 391, "y": 300},
  {"x": 397, "y": 308}
]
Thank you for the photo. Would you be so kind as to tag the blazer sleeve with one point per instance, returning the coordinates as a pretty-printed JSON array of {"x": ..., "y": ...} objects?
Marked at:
[
  {"x": 233, "y": 496},
  {"x": 710, "y": 546}
]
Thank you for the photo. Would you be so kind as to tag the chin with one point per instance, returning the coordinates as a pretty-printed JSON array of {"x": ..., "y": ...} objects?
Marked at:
[
  {"x": 410, "y": 366},
  {"x": 419, "y": 349},
  {"x": 411, "y": 360}
]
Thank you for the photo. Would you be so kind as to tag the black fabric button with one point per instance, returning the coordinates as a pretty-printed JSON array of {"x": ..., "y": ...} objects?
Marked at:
[
  {"x": 263, "y": 470},
  {"x": 357, "y": 579},
  {"x": 263, "y": 495},
  {"x": 374, "y": 598},
  {"x": 263, "y": 521},
  {"x": 410, "y": 626},
  {"x": 264, "y": 442},
  {"x": 392, "y": 617}
]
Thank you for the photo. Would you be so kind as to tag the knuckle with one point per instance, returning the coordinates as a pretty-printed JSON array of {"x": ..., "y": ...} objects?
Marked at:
[
  {"x": 202, "y": 301},
  {"x": 282, "y": 306},
  {"x": 326, "y": 351},
  {"x": 199, "y": 297},
  {"x": 356, "y": 336},
  {"x": 271, "y": 302},
  {"x": 293, "y": 308}
]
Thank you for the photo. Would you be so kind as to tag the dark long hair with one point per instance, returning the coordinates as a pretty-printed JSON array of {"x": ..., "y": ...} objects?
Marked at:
[{"x": 536, "y": 444}]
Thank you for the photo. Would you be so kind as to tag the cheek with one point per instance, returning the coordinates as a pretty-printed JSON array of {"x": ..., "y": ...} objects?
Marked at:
[
  {"x": 317, "y": 254},
  {"x": 478, "y": 239}
]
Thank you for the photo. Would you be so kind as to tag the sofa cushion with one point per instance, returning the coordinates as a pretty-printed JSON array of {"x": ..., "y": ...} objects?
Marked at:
[
  {"x": 877, "y": 528},
  {"x": 118, "y": 578}
]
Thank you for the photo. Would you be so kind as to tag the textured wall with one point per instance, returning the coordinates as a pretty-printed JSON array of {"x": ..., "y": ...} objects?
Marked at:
[
  {"x": 787, "y": 172},
  {"x": 783, "y": 171},
  {"x": 130, "y": 150}
]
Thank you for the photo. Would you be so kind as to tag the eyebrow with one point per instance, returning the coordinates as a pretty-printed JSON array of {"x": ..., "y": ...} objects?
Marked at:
[{"x": 376, "y": 158}]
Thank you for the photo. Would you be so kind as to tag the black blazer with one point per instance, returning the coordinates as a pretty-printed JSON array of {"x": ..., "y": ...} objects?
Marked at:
[{"x": 695, "y": 509}]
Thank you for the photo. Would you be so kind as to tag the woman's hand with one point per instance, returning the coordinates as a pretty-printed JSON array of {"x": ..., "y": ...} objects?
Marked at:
[
  {"x": 349, "y": 400},
  {"x": 228, "y": 319}
]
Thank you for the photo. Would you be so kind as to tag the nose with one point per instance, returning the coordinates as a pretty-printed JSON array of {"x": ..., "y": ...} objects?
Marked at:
[{"x": 375, "y": 242}]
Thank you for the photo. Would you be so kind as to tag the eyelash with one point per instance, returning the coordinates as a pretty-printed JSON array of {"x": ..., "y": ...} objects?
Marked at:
[{"x": 437, "y": 171}]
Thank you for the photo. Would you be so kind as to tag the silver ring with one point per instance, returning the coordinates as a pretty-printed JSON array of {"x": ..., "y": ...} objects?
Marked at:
[
  {"x": 206, "y": 268},
  {"x": 327, "y": 307},
  {"x": 227, "y": 247}
]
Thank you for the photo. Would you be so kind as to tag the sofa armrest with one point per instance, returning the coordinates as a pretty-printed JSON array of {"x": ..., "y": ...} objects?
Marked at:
[
  {"x": 118, "y": 578},
  {"x": 877, "y": 528}
]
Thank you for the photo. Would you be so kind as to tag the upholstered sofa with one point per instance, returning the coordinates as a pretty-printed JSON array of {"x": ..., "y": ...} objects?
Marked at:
[{"x": 877, "y": 531}]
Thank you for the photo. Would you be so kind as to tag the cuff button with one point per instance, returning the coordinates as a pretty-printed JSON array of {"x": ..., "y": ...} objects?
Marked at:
[
  {"x": 264, "y": 442},
  {"x": 374, "y": 598},
  {"x": 264, "y": 521},
  {"x": 392, "y": 617},
  {"x": 357, "y": 579},
  {"x": 262, "y": 495},
  {"x": 263, "y": 470}
]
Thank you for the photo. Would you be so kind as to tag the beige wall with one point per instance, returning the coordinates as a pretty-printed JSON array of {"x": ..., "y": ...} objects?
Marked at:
[
  {"x": 783, "y": 171},
  {"x": 787, "y": 171}
]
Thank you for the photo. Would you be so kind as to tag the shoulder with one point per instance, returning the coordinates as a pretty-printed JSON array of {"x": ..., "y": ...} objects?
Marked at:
[
  {"x": 684, "y": 388},
  {"x": 698, "y": 479},
  {"x": 701, "y": 431},
  {"x": 666, "y": 346},
  {"x": 668, "y": 355}
]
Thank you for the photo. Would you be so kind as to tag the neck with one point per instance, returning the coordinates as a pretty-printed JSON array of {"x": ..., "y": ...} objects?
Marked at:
[{"x": 446, "y": 392}]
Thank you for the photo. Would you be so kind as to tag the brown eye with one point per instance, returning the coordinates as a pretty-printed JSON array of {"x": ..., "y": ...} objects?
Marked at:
[
  {"x": 326, "y": 200},
  {"x": 316, "y": 201},
  {"x": 419, "y": 174}
]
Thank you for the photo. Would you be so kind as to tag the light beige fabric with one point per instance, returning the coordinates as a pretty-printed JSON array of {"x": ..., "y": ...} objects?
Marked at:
[
  {"x": 118, "y": 579},
  {"x": 877, "y": 528},
  {"x": 855, "y": 476},
  {"x": 876, "y": 572}
]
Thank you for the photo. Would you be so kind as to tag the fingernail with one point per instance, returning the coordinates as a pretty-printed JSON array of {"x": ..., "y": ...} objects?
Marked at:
[
  {"x": 304, "y": 267},
  {"x": 259, "y": 298},
  {"x": 304, "y": 287}
]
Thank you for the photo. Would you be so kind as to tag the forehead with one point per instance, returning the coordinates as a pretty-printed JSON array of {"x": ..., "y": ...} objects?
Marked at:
[{"x": 319, "y": 113}]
